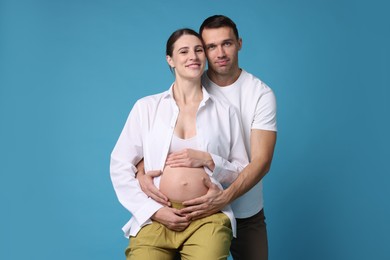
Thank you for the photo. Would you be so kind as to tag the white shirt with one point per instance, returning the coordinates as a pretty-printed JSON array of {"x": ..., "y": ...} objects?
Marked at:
[
  {"x": 257, "y": 107},
  {"x": 147, "y": 134}
]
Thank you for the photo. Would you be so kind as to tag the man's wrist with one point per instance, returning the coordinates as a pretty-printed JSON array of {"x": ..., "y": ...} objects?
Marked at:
[
  {"x": 139, "y": 172},
  {"x": 209, "y": 162},
  {"x": 228, "y": 196}
]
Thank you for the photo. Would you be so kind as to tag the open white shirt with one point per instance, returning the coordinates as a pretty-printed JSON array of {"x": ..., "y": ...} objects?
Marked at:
[{"x": 147, "y": 134}]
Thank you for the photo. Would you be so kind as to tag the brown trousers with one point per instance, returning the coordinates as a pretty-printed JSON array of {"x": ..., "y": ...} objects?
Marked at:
[{"x": 251, "y": 242}]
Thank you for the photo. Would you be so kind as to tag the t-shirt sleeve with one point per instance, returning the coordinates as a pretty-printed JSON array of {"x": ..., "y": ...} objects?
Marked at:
[{"x": 265, "y": 114}]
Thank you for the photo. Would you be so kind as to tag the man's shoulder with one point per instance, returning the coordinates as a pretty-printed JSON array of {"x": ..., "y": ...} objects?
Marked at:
[{"x": 249, "y": 80}]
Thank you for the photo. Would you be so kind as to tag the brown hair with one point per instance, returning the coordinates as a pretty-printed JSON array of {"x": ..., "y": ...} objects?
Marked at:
[
  {"x": 176, "y": 35},
  {"x": 218, "y": 21}
]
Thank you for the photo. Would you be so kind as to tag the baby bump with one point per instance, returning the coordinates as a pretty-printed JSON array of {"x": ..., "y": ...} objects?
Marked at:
[{"x": 180, "y": 184}]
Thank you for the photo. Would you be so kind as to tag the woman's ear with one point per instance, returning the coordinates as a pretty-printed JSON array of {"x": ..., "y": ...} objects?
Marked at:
[{"x": 170, "y": 61}]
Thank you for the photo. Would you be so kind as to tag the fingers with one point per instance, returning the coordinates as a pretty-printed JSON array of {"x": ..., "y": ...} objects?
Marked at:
[
  {"x": 178, "y": 156},
  {"x": 175, "y": 160},
  {"x": 198, "y": 212},
  {"x": 154, "y": 173},
  {"x": 178, "y": 164},
  {"x": 180, "y": 217},
  {"x": 175, "y": 163},
  {"x": 197, "y": 201},
  {"x": 207, "y": 182},
  {"x": 179, "y": 227},
  {"x": 159, "y": 197},
  {"x": 194, "y": 208},
  {"x": 171, "y": 218},
  {"x": 175, "y": 156},
  {"x": 178, "y": 222},
  {"x": 196, "y": 215},
  {"x": 148, "y": 187},
  {"x": 191, "y": 211}
]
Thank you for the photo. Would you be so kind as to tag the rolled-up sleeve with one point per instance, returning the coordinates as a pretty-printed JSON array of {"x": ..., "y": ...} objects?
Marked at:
[{"x": 227, "y": 169}]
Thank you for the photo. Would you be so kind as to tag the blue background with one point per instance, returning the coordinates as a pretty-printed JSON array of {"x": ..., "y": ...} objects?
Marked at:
[{"x": 70, "y": 72}]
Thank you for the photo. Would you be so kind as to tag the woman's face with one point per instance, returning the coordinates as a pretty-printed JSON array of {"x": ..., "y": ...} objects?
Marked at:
[{"x": 188, "y": 57}]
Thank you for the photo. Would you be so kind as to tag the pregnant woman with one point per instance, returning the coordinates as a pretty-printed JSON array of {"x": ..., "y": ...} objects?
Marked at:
[{"x": 183, "y": 119}]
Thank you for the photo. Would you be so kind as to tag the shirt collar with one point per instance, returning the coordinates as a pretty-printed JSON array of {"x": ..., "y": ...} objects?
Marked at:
[{"x": 206, "y": 96}]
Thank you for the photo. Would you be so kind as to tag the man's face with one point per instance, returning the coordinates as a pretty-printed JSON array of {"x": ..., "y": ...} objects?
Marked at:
[{"x": 222, "y": 48}]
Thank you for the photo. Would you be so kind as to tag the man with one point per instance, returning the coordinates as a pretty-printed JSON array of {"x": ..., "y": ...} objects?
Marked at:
[{"x": 256, "y": 103}]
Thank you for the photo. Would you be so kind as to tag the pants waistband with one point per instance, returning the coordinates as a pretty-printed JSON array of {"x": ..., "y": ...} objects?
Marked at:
[{"x": 177, "y": 205}]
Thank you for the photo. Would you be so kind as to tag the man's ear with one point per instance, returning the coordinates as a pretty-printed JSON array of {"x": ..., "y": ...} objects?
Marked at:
[{"x": 239, "y": 44}]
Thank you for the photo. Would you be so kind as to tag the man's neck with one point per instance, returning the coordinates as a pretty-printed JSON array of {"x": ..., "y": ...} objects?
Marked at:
[{"x": 223, "y": 80}]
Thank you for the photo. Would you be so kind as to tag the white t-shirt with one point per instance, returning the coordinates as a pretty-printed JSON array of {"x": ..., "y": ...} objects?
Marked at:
[
  {"x": 148, "y": 133},
  {"x": 257, "y": 105}
]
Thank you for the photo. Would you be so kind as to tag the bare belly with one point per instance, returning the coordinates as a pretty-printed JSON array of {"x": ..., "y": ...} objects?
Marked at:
[{"x": 180, "y": 184}]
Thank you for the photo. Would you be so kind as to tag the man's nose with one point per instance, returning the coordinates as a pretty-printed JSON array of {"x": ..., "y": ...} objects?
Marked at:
[{"x": 221, "y": 51}]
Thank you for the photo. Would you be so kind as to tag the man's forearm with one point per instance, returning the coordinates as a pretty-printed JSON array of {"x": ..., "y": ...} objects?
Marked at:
[
  {"x": 262, "y": 150},
  {"x": 140, "y": 168},
  {"x": 248, "y": 178}
]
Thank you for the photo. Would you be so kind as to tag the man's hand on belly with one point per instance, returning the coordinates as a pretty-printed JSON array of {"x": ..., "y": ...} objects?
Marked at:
[
  {"x": 148, "y": 187},
  {"x": 212, "y": 202}
]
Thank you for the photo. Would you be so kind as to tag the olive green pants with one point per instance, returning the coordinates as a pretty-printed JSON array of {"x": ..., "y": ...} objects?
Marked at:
[{"x": 203, "y": 239}]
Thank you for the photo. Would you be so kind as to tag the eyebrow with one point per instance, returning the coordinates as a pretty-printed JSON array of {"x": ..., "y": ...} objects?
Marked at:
[
  {"x": 186, "y": 47},
  {"x": 210, "y": 44},
  {"x": 183, "y": 48},
  {"x": 222, "y": 42}
]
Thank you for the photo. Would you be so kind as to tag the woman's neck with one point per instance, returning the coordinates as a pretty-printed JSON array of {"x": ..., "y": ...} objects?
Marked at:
[{"x": 187, "y": 91}]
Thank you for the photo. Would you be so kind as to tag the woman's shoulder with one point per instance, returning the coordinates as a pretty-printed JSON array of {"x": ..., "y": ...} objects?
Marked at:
[{"x": 152, "y": 99}]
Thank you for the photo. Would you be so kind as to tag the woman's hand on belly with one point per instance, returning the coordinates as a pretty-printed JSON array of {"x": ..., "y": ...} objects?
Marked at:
[
  {"x": 190, "y": 158},
  {"x": 181, "y": 183}
]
